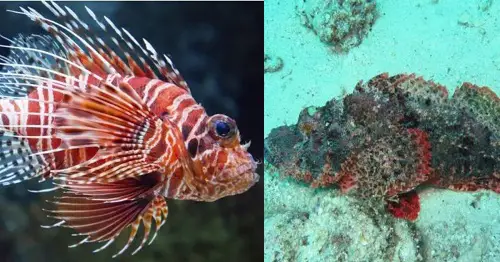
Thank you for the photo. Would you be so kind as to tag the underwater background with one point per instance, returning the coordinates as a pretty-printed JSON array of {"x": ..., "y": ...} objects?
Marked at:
[
  {"x": 316, "y": 50},
  {"x": 215, "y": 47}
]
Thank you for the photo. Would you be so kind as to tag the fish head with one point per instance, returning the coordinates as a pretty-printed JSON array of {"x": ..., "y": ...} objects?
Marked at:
[{"x": 227, "y": 167}]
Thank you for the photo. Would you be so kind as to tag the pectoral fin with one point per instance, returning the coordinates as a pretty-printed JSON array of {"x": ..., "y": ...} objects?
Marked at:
[
  {"x": 116, "y": 121},
  {"x": 100, "y": 212}
]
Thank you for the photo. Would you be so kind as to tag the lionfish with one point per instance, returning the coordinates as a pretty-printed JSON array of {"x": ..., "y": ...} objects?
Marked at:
[{"x": 116, "y": 130}]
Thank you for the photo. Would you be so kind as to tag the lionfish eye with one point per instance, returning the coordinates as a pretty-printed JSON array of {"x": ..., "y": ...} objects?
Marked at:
[{"x": 222, "y": 128}]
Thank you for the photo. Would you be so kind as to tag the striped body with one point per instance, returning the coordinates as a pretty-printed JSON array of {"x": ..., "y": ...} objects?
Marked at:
[
  {"x": 115, "y": 136},
  {"x": 176, "y": 102}
]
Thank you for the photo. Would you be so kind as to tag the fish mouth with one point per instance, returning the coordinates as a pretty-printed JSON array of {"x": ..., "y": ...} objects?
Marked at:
[
  {"x": 249, "y": 169},
  {"x": 246, "y": 168},
  {"x": 256, "y": 178}
]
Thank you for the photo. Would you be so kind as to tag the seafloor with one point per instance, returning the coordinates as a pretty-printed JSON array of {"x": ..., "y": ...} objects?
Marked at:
[{"x": 447, "y": 41}]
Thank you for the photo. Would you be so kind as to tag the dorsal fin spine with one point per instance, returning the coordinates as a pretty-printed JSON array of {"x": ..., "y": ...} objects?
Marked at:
[{"x": 45, "y": 21}]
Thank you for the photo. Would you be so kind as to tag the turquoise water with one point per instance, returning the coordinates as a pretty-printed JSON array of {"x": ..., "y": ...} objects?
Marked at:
[{"x": 448, "y": 42}]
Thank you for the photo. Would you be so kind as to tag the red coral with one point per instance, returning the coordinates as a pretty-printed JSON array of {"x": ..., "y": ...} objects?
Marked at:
[{"x": 407, "y": 208}]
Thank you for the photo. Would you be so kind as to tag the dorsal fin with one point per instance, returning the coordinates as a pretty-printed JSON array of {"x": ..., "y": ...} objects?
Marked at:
[
  {"x": 21, "y": 53},
  {"x": 75, "y": 52},
  {"x": 94, "y": 53}
]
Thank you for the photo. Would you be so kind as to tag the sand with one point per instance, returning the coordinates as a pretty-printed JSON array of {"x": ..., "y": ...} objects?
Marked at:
[{"x": 447, "y": 41}]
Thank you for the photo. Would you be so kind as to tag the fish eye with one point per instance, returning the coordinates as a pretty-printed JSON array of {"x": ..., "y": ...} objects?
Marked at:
[{"x": 222, "y": 128}]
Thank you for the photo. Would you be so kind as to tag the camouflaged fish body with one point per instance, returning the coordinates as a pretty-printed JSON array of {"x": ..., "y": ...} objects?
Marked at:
[{"x": 391, "y": 135}]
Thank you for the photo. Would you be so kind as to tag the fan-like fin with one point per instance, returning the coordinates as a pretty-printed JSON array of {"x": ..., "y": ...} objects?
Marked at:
[
  {"x": 126, "y": 189},
  {"x": 97, "y": 212},
  {"x": 405, "y": 206},
  {"x": 130, "y": 138}
]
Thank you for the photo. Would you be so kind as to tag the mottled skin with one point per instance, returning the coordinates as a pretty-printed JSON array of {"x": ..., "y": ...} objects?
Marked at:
[{"x": 391, "y": 135}]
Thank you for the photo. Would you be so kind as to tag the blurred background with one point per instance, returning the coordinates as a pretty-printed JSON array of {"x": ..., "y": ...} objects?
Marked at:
[{"x": 215, "y": 46}]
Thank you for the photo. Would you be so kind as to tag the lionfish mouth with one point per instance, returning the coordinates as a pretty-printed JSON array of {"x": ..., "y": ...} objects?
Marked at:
[
  {"x": 249, "y": 168},
  {"x": 256, "y": 178},
  {"x": 245, "y": 168}
]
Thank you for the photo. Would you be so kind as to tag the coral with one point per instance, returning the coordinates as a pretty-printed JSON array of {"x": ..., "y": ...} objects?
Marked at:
[
  {"x": 272, "y": 64},
  {"x": 322, "y": 226},
  {"x": 340, "y": 23},
  {"x": 391, "y": 135}
]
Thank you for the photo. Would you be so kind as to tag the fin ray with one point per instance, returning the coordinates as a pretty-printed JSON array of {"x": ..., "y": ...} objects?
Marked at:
[{"x": 103, "y": 220}]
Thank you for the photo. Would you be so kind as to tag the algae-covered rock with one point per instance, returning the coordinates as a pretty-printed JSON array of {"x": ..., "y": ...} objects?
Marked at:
[
  {"x": 340, "y": 23},
  {"x": 319, "y": 226},
  {"x": 272, "y": 64}
]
